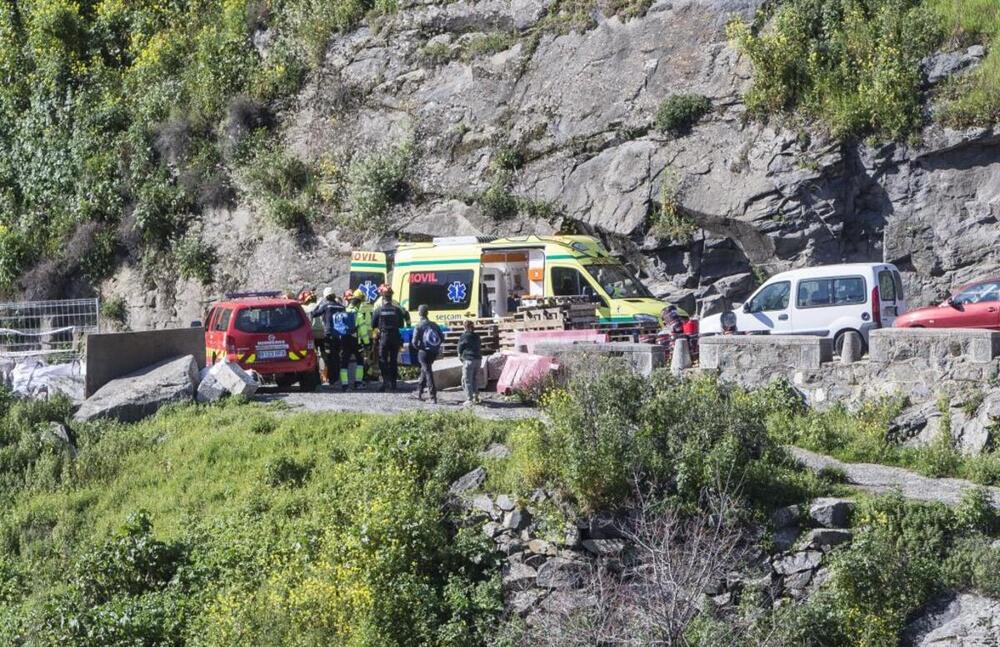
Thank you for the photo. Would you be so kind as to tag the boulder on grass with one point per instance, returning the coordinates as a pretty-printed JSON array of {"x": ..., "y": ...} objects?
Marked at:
[
  {"x": 226, "y": 378},
  {"x": 141, "y": 394}
]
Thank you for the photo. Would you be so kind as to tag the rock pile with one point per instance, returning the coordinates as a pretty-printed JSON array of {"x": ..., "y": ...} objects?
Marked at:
[
  {"x": 544, "y": 574},
  {"x": 797, "y": 569},
  {"x": 551, "y": 573}
]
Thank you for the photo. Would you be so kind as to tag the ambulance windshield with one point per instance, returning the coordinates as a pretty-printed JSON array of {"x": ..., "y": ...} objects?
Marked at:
[{"x": 618, "y": 282}]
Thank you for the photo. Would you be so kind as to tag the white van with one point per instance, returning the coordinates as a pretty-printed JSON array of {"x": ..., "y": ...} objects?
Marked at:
[{"x": 825, "y": 301}]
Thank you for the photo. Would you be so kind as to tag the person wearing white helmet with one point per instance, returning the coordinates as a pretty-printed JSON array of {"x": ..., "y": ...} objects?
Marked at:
[{"x": 327, "y": 310}]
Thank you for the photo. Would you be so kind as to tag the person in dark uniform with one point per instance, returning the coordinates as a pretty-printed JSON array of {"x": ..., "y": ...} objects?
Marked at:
[
  {"x": 389, "y": 321},
  {"x": 330, "y": 346}
]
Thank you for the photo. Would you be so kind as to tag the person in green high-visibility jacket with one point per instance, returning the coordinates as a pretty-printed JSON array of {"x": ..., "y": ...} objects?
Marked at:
[{"x": 352, "y": 344}]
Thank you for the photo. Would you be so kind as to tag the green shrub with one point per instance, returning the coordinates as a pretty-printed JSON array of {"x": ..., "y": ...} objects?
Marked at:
[
  {"x": 376, "y": 182},
  {"x": 196, "y": 259},
  {"x": 115, "y": 309},
  {"x": 262, "y": 426},
  {"x": 348, "y": 543},
  {"x": 668, "y": 221},
  {"x": 679, "y": 113},
  {"x": 975, "y": 511},
  {"x": 895, "y": 564},
  {"x": 972, "y": 99},
  {"x": 286, "y": 187},
  {"x": 90, "y": 121},
  {"x": 497, "y": 202},
  {"x": 286, "y": 471},
  {"x": 436, "y": 53},
  {"x": 507, "y": 158},
  {"x": 852, "y": 64},
  {"x": 613, "y": 432}
]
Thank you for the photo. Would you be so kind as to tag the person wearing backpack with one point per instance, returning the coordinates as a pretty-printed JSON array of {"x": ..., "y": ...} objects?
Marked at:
[
  {"x": 345, "y": 326},
  {"x": 327, "y": 312},
  {"x": 426, "y": 343}
]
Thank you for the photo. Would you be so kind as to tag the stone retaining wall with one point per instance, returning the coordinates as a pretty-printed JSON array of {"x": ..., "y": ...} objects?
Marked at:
[
  {"x": 920, "y": 364},
  {"x": 741, "y": 352},
  {"x": 644, "y": 358},
  {"x": 939, "y": 347}
]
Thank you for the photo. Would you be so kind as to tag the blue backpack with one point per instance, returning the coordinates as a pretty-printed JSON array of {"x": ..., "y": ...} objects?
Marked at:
[
  {"x": 431, "y": 339},
  {"x": 344, "y": 324}
]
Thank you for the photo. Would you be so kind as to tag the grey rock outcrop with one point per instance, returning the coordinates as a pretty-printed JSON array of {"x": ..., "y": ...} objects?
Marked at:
[
  {"x": 830, "y": 512},
  {"x": 470, "y": 481},
  {"x": 827, "y": 538},
  {"x": 580, "y": 107},
  {"x": 141, "y": 394},
  {"x": 560, "y": 573},
  {"x": 957, "y": 620}
]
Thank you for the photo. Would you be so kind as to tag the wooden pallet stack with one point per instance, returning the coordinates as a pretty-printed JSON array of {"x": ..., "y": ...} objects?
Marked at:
[
  {"x": 628, "y": 333},
  {"x": 489, "y": 335}
]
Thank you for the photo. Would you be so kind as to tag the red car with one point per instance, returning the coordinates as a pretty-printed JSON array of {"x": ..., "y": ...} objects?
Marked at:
[
  {"x": 976, "y": 305},
  {"x": 267, "y": 333}
]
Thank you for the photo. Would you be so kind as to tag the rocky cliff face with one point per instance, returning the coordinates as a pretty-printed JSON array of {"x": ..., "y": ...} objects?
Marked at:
[{"x": 465, "y": 80}]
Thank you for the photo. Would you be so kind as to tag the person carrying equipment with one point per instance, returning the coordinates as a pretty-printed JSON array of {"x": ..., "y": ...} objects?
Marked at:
[
  {"x": 329, "y": 345},
  {"x": 426, "y": 344},
  {"x": 388, "y": 322},
  {"x": 355, "y": 334}
]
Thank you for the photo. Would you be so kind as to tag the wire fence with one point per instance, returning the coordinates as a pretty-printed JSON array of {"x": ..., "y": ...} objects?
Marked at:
[{"x": 53, "y": 330}]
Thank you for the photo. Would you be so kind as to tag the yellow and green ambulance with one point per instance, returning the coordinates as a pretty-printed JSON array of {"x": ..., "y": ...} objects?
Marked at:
[{"x": 464, "y": 277}]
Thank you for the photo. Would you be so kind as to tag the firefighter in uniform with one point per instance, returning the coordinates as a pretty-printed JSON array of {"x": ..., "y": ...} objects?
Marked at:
[
  {"x": 329, "y": 345},
  {"x": 365, "y": 312},
  {"x": 388, "y": 323},
  {"x": 352, "y": 344}
]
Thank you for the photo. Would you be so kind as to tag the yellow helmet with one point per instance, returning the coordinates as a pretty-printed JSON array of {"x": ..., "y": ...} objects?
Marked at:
[{"x": 358, "y": 294}]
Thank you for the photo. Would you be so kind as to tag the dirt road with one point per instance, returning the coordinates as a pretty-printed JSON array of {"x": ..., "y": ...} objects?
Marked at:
[{"x": 326, "y": 398}]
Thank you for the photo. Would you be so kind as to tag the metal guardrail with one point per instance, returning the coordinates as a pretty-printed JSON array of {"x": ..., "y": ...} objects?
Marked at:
[{"x": 52, "y": 329}]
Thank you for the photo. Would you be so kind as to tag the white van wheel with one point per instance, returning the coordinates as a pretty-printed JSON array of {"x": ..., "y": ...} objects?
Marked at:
[{"x": 838, "y": 341}]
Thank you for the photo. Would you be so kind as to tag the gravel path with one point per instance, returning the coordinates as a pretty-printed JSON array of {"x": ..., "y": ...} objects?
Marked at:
[
  {"x": 493, "y": 407},
  {"x": 881, "y": 479}
]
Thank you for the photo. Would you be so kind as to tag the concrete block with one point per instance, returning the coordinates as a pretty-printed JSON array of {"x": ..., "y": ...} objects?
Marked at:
[
  {"x": 526, "y": 340},
  {"x": 680, "y": 359},
  {"x": 447, "y": 372},
  {"x": 494, "y": 366},
  {"x": 935, "y": 346},
  {"x": 643, "y": 358},
  {"x": 209, "y": 389},
  {"x": 852, "y": 349},
  {"x": 234, "y": 379},
  {"x": 225, "y": 378},
  {"x": 114, "y": 355},
  {"x": 755, "y": 351}
]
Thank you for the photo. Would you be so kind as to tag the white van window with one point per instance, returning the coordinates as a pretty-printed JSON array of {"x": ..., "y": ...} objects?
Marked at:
[
  {"x": 886, "y": 286},
  {"x": 899, "y": 285},
  {"x": 819, "y": 293},
  {"x": 979, "y": 293},
  {"x": 772, "y": 297}
]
